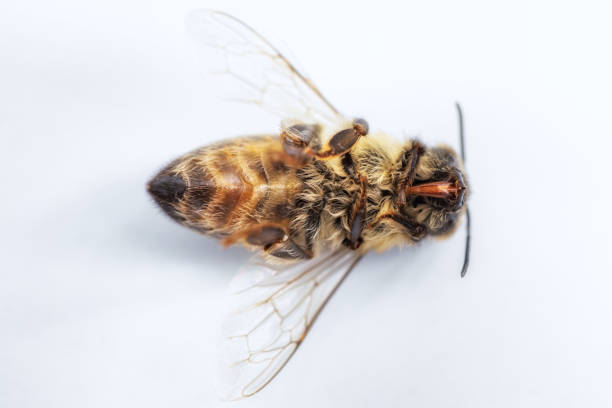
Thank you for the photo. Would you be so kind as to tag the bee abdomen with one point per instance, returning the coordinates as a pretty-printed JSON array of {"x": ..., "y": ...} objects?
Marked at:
[
  {"x": 201, "y": 189},
  {"x": 233, "y": 188},
  {"x": 230, "y": 186}
]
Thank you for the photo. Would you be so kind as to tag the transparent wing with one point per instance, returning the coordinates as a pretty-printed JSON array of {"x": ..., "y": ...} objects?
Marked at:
[
  {"x": 259, "y": 73},
  {"x": 274, "y": 308}
]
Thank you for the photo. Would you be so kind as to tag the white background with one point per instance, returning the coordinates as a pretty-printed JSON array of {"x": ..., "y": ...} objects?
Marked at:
[{"x": 106, "y": 302}]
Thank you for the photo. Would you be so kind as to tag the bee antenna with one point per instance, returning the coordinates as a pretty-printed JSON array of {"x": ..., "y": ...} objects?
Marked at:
[
  {"x": 468, "y": 229},
  {"x": 461, "y": 133},
  {"x": 468, "y": 240}
]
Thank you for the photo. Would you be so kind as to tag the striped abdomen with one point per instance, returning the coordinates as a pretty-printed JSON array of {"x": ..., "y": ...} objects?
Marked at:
[{"x": 225, "y": 188}]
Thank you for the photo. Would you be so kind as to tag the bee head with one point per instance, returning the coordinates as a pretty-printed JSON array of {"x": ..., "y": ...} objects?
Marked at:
[{"x": 438, "y": 192}]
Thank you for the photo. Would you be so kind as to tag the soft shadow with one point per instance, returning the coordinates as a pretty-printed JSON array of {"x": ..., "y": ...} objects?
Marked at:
[
  {"x": 139, "y": 229},
  {"x": 158, "y": 237},
  {"x": 378, "y": 273}
]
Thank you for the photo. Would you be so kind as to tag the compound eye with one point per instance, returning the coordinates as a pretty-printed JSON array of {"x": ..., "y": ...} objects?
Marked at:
[
  {"x": 446, "y": 155},
  {"x": 449, "y": 224}
]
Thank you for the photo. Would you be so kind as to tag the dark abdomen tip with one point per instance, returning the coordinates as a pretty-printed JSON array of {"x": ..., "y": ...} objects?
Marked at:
[{"x": 167, "y": 189}]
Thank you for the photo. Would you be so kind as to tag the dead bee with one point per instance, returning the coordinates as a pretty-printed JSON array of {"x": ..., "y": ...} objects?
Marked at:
[{"x": 313, "y": 198}]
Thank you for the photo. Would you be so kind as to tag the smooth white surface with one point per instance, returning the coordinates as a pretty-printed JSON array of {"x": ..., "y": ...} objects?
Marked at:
[{"x": 105, "y": 302}]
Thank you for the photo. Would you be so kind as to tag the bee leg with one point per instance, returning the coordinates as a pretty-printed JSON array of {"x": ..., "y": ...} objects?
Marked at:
[
  {"x": 414, "y": 229},
  {"x": 288, "y": 249},
  {"x": 407, "y": 169},
  {"x": 348, "y": 165},
  {"x": 343, "y": 141},
  {"x": 301, "y": 142},
  {"x": 273, "y": 239},
  {"x": 358, "y": 216},
  {"x": 297, "y": 141}
]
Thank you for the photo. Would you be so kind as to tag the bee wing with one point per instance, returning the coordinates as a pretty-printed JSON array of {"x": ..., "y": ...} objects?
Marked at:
[
  {"x": 273, "y": 308},
  {"x": 260, "y": 73}
]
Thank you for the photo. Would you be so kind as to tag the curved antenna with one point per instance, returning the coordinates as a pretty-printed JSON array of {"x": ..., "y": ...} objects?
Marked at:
[
  {"x": 468, "y": 240},
  {"x": 468, "y": 229},
  {"x": 461, "y": 133}
]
